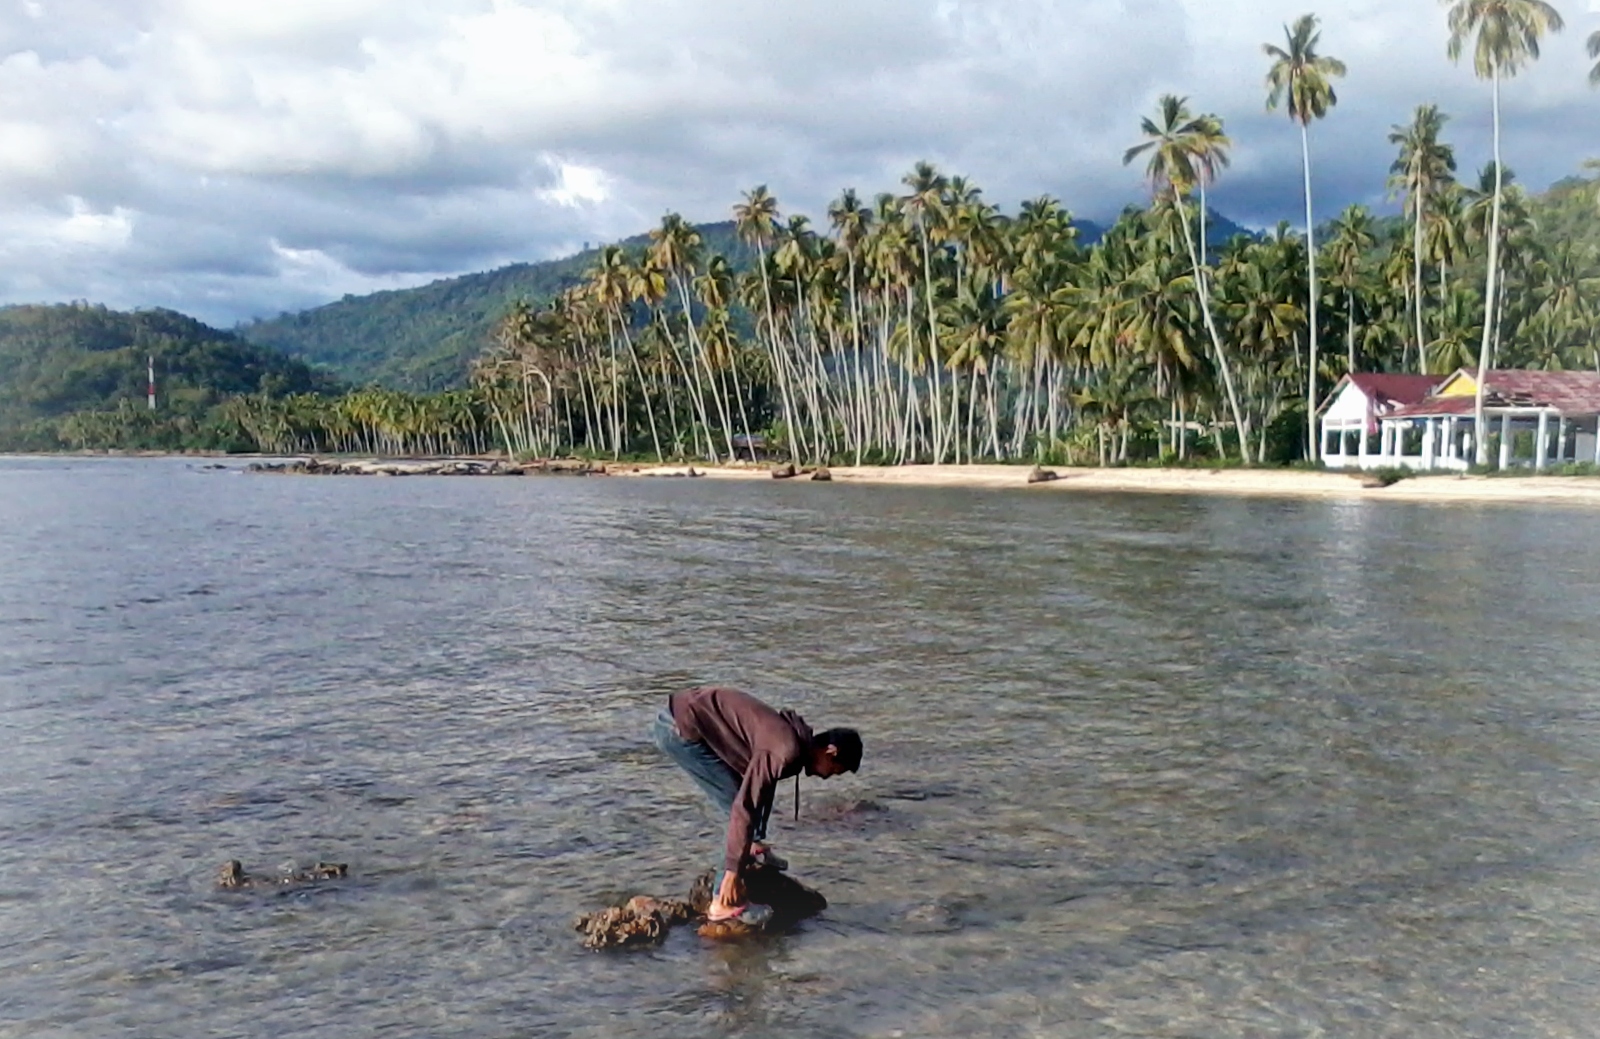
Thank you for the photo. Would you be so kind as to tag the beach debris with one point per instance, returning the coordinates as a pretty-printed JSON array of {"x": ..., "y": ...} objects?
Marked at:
[
  {"x": 785, "y": 471},
  {"x": 644, "y": 920},
  {"x": 822, "y": 475},
  {"x": 232, "y": 875},
  {"x": 1043, "y": 475}
]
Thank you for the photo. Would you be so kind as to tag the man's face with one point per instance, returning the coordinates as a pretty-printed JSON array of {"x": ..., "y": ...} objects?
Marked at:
[{"x": 824, "y": 764}]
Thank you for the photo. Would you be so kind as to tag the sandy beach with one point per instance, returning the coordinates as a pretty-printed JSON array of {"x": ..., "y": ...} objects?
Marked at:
[{"x": 1565, "y": 490}]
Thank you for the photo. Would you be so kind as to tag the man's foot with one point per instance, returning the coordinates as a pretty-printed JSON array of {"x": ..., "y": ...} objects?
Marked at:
[
  {"x": 767, "y": 857},
  {"x": 751, "y": 914}
]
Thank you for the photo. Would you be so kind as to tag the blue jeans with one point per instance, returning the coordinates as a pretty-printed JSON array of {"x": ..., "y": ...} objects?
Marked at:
[{"x": 712, "y": 774}]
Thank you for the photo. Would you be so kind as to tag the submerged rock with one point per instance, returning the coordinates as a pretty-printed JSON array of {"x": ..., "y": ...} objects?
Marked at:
[
  {"x": 638, "y": 921},
  {"x": 784, "y": 472},
  {"x": 1043, "y": 475},
  {"x": 791, "y": 902},
  {"x": 232, "y": 875},
  {"x": 645, "y": 920},
  {"x": 822, "y": 475}
]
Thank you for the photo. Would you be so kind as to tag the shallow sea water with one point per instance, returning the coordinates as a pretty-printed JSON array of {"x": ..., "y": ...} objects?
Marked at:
[{"x": 1135, "y": 765}]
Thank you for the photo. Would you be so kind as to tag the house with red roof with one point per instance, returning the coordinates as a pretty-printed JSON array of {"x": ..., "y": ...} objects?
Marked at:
[
  {"x": 1355, "y": 407},
  {"x": 1532, "y": 418}
]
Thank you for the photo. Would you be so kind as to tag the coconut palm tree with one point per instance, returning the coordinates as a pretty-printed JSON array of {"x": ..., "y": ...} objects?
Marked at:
[
  {"x": 925, "y": 205},
  {"x": 1303, "y": 78},
  {"x": 1505, "y": 35},
  {"x": 1352, "y": 238},
  {"x": 1424, "y": 166},
  {"x": 1594, "y": 52},
  {"x": 1185, "y": 151}
]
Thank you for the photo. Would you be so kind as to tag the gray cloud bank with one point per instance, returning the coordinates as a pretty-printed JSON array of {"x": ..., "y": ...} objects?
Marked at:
[{"x": 237, "y": 159}]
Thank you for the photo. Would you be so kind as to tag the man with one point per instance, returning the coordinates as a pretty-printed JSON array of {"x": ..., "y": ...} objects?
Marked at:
[{"x": 737, "y": 749}]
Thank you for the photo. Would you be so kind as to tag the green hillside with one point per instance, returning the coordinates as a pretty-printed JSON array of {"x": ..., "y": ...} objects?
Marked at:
[
  {"x": 423, "y": 339},
  {"x": 61, "y": 363}
]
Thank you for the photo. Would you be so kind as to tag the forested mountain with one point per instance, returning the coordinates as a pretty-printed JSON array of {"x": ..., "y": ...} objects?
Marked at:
[
  {"x": 423, "y": 339},
  {"x": 58, "y": 362}
]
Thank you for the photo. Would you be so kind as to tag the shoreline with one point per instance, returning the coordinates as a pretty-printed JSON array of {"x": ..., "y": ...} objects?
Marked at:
[
  {"x": 1443, "y": 488},
  {"x": 1258, "y": 483}
]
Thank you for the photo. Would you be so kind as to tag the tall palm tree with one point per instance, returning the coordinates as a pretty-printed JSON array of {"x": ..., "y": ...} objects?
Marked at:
[
  {"x": 1186, "y": 151},
  {"x": 1424, "y": 166},
  {"x": 926, "y": 207},
  {"x": 1507, "y": 37},
  {"x": 1303, "y": 78},
  {"x": 755, "y": 221},
  {"x": 1352, "y": 237},
  {"x": 1594, "y": 52}
]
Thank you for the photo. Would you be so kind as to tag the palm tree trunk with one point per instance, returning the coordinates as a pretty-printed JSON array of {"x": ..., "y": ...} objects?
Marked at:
[
  {"x": 1479, "y": 438},
  {"x": 1416, "y": 278},
  {"x": 1349, "y": 333},
  {"x": 933, "y": 343},
  {"x": 1211, "y": 329},
  {"x": 1311, "y": 267}
]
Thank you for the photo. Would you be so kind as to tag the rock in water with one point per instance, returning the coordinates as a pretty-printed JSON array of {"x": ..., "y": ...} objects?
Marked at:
[
  {"x": 643, "y": 920},
  {"x": 791, "y": 902},
  {"x": 1042, "y": 475},
  {"x": 638, "y": 921},
  {"x": 822, "y": 475},
  {"x": 784, "y": 472},
  {"x": 232, "y": 875}
]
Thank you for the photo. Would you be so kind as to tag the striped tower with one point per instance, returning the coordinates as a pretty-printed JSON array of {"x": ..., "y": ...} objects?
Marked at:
[{"x": 150, "y": 369}]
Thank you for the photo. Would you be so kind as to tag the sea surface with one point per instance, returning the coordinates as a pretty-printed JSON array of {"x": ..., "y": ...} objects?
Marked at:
[{"x": 1135, "y": 765}]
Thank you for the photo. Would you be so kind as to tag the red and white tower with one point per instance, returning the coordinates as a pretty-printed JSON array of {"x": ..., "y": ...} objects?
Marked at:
[{"x": 150, "y": 368}]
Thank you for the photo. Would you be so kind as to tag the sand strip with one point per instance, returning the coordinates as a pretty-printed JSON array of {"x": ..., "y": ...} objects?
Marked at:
[{"x": 1279, "y": 483}]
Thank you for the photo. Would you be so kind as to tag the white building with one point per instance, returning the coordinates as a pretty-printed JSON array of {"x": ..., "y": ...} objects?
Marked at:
[
  {"x": 1351, "y": 431},
  {"x": 1535, "y": 419}
]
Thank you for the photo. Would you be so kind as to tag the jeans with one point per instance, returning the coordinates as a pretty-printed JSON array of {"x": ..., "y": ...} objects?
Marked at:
[{"x": 710, "y": 773}]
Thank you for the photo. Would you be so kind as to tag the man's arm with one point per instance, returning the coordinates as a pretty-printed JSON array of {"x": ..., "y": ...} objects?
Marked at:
[{"x": 756, "y": 790}]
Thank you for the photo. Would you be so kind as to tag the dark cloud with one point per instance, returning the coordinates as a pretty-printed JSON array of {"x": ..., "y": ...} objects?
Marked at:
[{"x": 237, "y": 159}]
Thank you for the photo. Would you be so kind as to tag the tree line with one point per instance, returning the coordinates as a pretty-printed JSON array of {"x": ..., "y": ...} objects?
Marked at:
[{"x": 924, "y": 324}]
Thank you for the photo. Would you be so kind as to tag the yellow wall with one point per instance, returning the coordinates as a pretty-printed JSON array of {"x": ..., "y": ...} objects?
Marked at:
[{"x": 1460, "y": 385}]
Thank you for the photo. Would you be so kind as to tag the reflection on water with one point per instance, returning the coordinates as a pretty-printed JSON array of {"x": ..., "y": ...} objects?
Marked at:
[{"x": 1142, "y": 765}]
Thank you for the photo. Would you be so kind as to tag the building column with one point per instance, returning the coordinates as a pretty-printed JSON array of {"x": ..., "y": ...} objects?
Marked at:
[
  {"x": 1450, "y": 438},
  {"x": 1505, "y": 440},
  {"x": 1541, "y": 440},
  {"x": 1429, "y": 435},
  {"x": 1361, "y": 446},
  {"x": 1560, "y": 457}
]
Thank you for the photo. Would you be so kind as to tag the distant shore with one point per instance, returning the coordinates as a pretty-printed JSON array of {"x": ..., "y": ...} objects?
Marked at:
[
  {"x": 1583, "y": 491},
  {"x": 1272, "y": 483}
]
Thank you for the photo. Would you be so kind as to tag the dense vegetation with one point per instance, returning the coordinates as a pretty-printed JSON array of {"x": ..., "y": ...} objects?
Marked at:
[
  {"x": 76, "y": 376},
  {"x": 929, "y": 325},
  {"x": 425, "y": 339}
]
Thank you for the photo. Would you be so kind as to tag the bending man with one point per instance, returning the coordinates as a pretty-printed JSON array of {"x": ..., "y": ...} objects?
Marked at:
[{"x": 737, "y": 749}]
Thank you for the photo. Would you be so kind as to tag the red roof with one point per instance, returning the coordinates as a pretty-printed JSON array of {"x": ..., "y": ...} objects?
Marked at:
[
  {"x": 1383, "y": 388},
  {"x": 1572, "y": 393}
]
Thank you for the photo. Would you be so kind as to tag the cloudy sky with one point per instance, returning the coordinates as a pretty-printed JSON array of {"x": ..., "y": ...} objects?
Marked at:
[{"x": 236, "y": 158}]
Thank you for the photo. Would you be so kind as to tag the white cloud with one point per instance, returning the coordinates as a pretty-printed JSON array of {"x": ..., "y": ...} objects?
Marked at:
[{"x": 229, "y": 158}]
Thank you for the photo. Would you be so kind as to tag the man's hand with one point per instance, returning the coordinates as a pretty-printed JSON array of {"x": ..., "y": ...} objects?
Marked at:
[
  {"x": 732, "y": 890},
  {"x": 730, "y": 894}
]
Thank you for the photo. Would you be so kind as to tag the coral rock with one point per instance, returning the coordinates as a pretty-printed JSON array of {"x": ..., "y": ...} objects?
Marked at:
[{"x": 232, "y": 875}]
